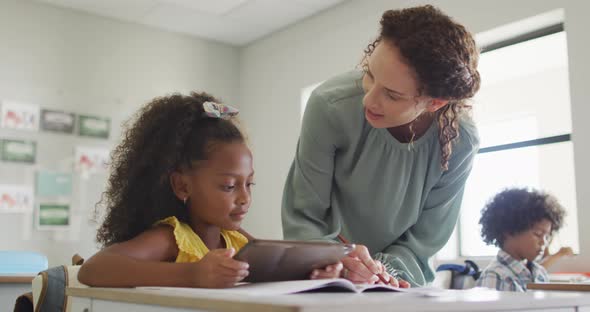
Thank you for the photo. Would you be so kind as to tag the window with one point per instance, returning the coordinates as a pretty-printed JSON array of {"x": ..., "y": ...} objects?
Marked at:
[{"x": 523, "y": 115}]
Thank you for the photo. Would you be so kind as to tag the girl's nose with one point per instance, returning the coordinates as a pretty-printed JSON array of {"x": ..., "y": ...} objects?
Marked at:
[{"x": 244, "y": 197}]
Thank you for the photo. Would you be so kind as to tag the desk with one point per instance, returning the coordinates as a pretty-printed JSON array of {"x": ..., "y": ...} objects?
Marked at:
[
  {"x": 559, "y": 286},
  {"x": 478, "y": 299},
  {"x": 12, "y": 286}
]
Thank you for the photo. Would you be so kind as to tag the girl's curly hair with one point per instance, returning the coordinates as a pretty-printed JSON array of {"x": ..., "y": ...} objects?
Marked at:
[
  {"x": 444, "y": 56},
  {"x": 167, "y": 135},
  {"x": 516, "y": 210}
]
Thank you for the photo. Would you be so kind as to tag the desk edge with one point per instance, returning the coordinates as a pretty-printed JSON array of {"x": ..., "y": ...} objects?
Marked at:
[{"x": 120, "y": 295}]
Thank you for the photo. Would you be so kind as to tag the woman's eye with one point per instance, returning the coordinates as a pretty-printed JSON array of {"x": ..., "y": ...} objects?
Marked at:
[
  {"x": 251, "y": 184},
  {"x": 392, "y": 97}
]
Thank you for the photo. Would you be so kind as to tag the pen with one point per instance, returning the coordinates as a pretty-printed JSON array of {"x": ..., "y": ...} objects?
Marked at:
[{"x": 345, "y": 241}]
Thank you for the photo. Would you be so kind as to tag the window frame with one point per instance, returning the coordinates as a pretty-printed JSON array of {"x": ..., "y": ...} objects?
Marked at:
[{"x": 535, "y": 34}]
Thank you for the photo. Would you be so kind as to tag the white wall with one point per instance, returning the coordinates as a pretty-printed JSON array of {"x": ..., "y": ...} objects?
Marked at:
[
  {"x": 80, "y": 63},
  {"x": 275, "y": 69}
]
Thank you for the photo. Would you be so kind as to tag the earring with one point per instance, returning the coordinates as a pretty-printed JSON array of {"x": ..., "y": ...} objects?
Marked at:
[{"x": 184, "y": 200}]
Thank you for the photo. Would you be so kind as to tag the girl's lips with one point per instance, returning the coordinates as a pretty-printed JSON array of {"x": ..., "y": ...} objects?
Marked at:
[{"x": 239, "y": 214}]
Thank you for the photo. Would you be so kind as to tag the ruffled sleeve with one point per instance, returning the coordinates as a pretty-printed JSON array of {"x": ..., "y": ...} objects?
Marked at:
[{"x": 190, "y": 246}]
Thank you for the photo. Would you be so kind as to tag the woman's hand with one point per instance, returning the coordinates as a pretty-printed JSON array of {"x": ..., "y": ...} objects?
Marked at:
[
  {"x": 359, "y": 267},
  {"x": 330, "y": 271},
  {"x": 388, "y": 279},
  {"x": 218, "y": 269}
]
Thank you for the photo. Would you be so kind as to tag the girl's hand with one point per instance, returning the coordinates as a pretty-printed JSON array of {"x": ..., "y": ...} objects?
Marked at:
[
  {"x": 218, "y": 269},
  {"x": 330, "y": 271}
]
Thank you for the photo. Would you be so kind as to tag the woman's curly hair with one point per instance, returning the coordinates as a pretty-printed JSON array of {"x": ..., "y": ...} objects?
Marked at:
[
  {"x": 444, "y": 56},
  {"x": 516, "y": 210},
  {"x": 167, "y": 135}
]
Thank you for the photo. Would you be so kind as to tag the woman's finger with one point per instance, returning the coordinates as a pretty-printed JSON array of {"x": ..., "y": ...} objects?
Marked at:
[
  {"x": 357, "y": 268},
  {"x": 362, "y": 253},
  {"x": 404, "y": 283}
]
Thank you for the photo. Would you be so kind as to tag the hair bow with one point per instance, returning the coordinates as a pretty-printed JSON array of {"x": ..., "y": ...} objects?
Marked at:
[{"x": 217, "y": 110}]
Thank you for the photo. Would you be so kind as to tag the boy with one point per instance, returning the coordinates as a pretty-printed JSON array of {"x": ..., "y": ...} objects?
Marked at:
[{"x": 519, "y": 222}]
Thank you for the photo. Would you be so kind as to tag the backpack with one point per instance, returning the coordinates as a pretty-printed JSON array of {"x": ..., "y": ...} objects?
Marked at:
[
  {"x": 462, "y": 276},
  {"x": 49, "y": 289}
]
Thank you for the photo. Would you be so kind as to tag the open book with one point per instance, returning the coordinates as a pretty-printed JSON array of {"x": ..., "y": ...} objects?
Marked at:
[{"x": 293, "y": 287}]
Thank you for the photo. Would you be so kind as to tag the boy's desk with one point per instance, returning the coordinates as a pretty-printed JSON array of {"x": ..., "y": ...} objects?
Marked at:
[
  {"x": 125, "y": 300},
  {"x": 560, "y": 286}
]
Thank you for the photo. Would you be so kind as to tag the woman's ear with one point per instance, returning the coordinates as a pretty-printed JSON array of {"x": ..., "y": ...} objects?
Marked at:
[
  {"x": 436, "y": 104},
  {"x": 180, "y": 185}
]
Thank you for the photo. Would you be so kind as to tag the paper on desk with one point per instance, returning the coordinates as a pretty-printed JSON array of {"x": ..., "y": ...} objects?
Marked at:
[{"x": 292, "y": 287}]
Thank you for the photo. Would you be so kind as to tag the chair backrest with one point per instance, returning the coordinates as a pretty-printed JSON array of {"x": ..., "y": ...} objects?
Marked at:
[
  {"x": 49, "y": 287},
  {"x": 461, "y": 276},
  {"x": 22, "y": 262}
]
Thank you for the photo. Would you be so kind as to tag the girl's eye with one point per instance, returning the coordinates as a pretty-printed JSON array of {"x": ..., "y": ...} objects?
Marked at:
[
  {"x": 251, "y": 184},
  {"x": 228, "y": 188}
]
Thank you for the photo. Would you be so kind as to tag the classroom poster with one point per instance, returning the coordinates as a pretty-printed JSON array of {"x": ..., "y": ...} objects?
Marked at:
[
  {"x": 54, "y": 184},
  {"x": 53, "y": 215},
  {"x": 91, "y": 159},
  {"x": 19, "y": 151},
  {"x": 19, "y": 116},
  {"x": 57, "y": 121},
  {"x": 92, "y": 126},
  {"x": 16, "y": 198}
]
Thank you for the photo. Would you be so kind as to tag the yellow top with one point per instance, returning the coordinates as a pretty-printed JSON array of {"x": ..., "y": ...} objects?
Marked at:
[{"x": 191, "y": 247}]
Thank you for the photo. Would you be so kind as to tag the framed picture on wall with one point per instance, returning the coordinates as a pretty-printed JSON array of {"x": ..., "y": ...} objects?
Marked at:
[
  {"x": 90, "y": 160},
  {"x": 57, "y": 121},
  {"x": 19, "y": 151},
  {"x": 19, "y": 116},
  {"x": 52, "y": 215},
  {"x": 93, "y": 126},
  {"x": 16, "y": 198},
  {"x": 54, "y": 184}
]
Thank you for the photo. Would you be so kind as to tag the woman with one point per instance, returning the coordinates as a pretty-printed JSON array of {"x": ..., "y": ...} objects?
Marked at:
[{"x": 384, "y": 153}]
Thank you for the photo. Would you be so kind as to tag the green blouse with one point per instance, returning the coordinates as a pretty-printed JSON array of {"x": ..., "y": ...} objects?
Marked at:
[{"x": 348, "y": 177}]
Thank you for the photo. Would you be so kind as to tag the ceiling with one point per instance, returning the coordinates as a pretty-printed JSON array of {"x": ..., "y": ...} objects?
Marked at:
[{"x": 235, "y": 22}]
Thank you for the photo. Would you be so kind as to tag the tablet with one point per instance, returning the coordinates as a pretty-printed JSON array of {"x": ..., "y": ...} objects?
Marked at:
[{"x": 279, "y": 260}]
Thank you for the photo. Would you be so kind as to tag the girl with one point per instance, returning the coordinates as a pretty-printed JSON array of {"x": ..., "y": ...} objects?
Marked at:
[{"x": 179, "y": 189}]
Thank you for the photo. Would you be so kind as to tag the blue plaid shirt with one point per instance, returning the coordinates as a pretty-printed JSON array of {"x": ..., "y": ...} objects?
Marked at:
[{"x": 508, "y": 274}]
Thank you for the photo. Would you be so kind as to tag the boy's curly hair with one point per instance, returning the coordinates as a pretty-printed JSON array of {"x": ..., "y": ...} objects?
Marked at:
[
  {"x": 444, "y": 55},
  {"x": 516, "y": 210},
  {"x": 167, "y": 135}
]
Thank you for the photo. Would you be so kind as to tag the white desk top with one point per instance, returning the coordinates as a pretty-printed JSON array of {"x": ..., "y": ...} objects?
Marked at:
[{"x": 464, "y": 300}]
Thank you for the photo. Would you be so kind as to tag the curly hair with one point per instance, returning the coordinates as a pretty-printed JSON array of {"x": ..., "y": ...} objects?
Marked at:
[
  {"x": 444, "y": 56},
  {"x": 516, "y": 210},
  {"x": 167, "y": 135}
]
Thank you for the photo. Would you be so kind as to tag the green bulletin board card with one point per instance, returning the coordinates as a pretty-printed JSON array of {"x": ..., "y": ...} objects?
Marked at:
[
  {"x": 19, "y": 151},
  {"x": 92, "y": 126},
  {"x": 52, "y": 215}
]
